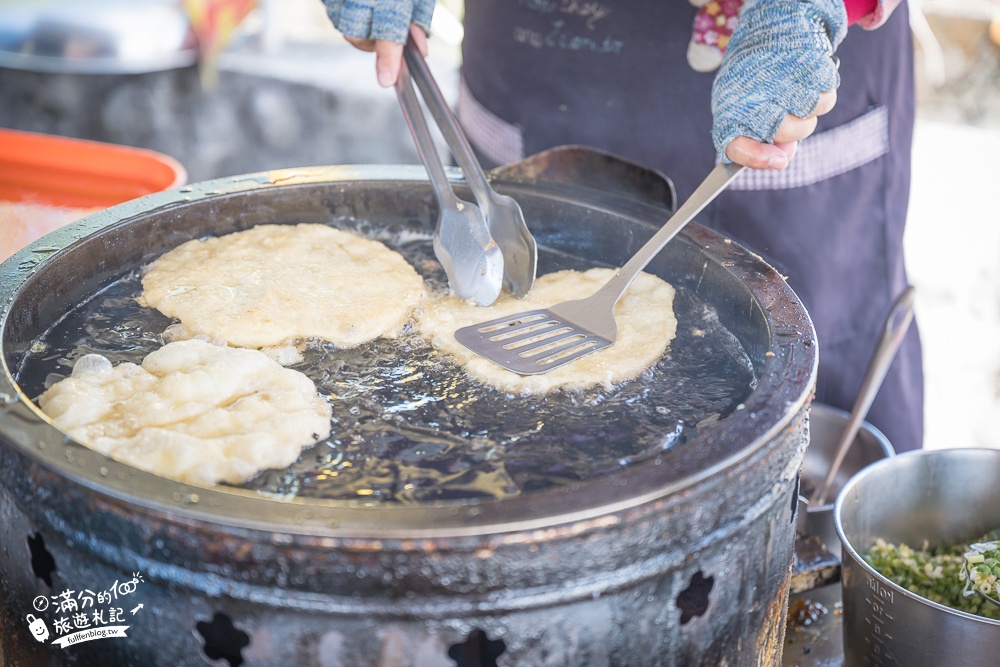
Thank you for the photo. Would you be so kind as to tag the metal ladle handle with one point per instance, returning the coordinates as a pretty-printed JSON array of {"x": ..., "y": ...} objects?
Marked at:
[{"x": 897, "y": 322}]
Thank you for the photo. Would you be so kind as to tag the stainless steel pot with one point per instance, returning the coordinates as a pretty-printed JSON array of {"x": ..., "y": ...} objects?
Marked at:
[
  {"x": 96, "y": 37},
  {"x": 941, "y": 497},
  {"x": 680, "y": 559},
  {"x": 826, "y": 424}
]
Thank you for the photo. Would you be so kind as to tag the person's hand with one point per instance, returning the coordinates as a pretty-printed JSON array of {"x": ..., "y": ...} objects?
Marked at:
[
  {"x": 778, "y": 76},
  {"x": 776, "y": 155},
  {"x": 388, "y": 54},
  {"x": 379, "y": 26}
]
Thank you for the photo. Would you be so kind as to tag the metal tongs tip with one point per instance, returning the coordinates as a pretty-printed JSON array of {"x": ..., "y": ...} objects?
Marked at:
[{"x": 481, "y": 247}]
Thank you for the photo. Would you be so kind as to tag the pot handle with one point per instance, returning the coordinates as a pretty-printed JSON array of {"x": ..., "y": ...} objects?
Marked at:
[{"x": 593, "y": 169}]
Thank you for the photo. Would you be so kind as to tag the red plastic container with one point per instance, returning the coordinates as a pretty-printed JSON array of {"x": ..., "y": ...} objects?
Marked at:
[
  {"x": 60, "y": 171},
  {"x": 47, "y": 181}
]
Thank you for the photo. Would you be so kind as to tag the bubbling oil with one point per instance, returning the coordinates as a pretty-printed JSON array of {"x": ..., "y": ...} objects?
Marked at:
[{"x": 409, "y": 426}]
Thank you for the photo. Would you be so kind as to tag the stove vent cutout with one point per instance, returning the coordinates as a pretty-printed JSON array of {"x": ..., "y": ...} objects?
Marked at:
[
  {"x": 693, "y": 600},
  {"x": 223, "y": 640},
  {"x": 478, "y": 650},
  {"x": 42, "y": 562}
]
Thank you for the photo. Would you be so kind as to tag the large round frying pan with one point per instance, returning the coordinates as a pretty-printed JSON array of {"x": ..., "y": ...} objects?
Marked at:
[{"x": 644, "y": 492}]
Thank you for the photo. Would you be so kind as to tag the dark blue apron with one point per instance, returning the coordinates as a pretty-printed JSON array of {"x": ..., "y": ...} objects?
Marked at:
[{"x": 614, "y": 74}]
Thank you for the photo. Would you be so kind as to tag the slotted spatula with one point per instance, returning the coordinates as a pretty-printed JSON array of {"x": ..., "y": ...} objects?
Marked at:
[{"x": 539, "y": 341}]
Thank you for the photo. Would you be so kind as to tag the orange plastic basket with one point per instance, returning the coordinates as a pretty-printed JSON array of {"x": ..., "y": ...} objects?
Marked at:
[{"x": 76, "y": 173}]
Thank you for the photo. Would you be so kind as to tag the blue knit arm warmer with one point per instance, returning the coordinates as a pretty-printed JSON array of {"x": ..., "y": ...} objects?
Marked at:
[
  {"x": 379, "y": 19},
  {"x": 778, "y": 62}
]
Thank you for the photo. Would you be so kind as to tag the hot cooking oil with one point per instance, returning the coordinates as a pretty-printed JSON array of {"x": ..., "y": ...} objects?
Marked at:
[{"x": 409, "y": 426}]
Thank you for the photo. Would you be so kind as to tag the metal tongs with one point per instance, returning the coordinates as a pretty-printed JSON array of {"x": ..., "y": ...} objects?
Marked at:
[{"x": 484, "y": 247}]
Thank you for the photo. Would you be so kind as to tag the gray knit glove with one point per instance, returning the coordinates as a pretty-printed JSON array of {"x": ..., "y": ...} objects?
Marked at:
[
  {"x": 379, "y": 19},
  {"x": 779, "y": 60}
]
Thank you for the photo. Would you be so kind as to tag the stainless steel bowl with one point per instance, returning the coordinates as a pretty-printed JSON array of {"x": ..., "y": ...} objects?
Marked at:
[
  {"x": 95, "y": 37},
  {"x": 826, "y": 423},
  {"x": 940, "y": 497}
]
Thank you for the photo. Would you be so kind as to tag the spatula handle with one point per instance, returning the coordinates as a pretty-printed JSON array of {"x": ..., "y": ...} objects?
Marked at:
[{"x": 714, "y": 183}]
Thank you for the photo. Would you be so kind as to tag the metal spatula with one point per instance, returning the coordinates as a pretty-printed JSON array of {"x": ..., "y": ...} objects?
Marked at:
[{"x": 539, "y": 341}]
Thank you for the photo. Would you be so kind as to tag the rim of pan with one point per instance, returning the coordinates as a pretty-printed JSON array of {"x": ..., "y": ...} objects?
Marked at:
[{"x": 784, "y": 388}]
